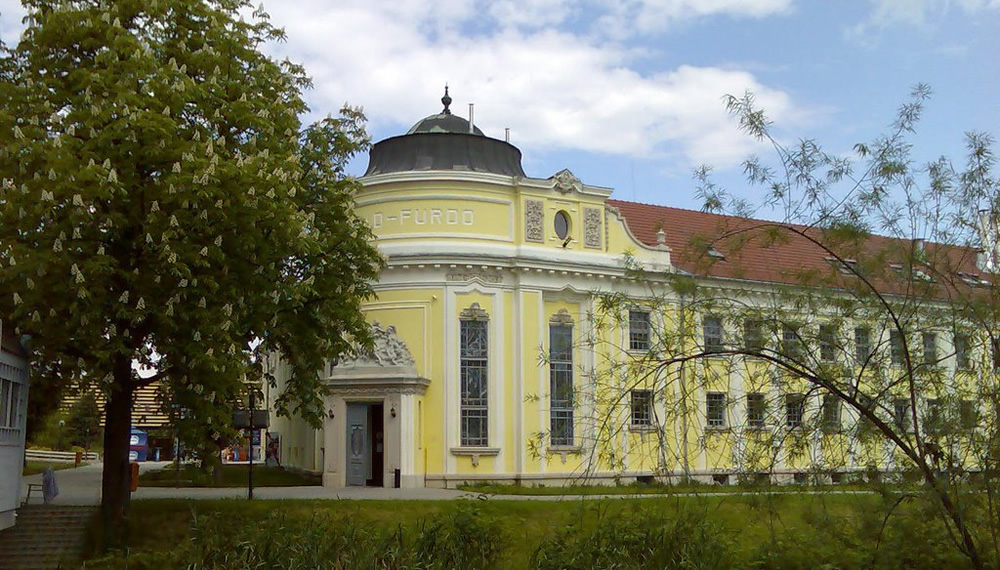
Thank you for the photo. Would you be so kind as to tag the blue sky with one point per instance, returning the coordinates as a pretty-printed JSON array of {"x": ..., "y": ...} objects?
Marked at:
[{"x": 628, "y": 94}]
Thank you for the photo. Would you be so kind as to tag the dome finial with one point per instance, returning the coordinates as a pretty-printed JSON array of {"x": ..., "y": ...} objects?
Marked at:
[{"x": 446, "y": 101}]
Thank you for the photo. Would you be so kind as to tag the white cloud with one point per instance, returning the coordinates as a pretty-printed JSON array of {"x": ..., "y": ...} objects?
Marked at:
[
  {"x": 535, "y": 66},
  {"x": 11, "y": 13},
  {"x": 886, "y": 13},
  {"x": 554, "y": 89}
]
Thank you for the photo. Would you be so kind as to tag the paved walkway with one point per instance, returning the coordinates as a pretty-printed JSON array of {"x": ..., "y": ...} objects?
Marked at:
[{"x": 82, "y": 486}]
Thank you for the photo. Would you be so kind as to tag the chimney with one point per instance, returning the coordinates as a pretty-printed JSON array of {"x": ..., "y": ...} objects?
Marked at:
[{"x": 472, "y": 123}]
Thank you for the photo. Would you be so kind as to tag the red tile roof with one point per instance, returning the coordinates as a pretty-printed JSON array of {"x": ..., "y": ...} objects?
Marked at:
[{"x": 776, "y": 256}]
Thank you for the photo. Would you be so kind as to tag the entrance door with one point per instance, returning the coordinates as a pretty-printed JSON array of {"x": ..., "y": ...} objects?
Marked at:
[{"x": 358, "y": 444}]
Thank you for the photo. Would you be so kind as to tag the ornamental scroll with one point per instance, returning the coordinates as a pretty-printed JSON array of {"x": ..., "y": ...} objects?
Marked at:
[
  {"x": 592, "y": 228},
  {"x": 533, "y": 220}
]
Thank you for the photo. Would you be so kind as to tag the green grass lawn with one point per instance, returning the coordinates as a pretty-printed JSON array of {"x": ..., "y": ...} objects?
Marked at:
[
  {"x": 35, "y": 467},
  {"x": 232, "y": 476},
  {"x": 791, "y": 530}
]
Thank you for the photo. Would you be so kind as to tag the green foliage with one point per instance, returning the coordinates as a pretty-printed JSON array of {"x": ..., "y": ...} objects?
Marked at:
[
  {"x": 635, "y": 540},
  {"x": 162, "y": 204},
  {"x": 460, "y": 538},
  {"x": 83, "y": 421}
]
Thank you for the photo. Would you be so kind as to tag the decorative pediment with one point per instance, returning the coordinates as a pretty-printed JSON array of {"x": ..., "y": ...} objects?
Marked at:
[
  {"x": 388, "y": 350},
  {"x": 565, "y": 182}
]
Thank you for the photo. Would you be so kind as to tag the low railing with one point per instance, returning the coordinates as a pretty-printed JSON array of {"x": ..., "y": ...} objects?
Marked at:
[{"x": 67, "y": 456}]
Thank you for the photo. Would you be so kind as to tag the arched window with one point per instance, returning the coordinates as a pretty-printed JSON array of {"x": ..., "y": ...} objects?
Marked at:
[{"x": 561, "y": 379}]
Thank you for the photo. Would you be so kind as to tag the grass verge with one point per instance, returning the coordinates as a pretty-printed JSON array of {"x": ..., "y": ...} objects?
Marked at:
[{"x": 36, "y": 467}]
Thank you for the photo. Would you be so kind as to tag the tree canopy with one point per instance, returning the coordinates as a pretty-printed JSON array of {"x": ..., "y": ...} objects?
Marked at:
[{"x": 163, "y": 207}]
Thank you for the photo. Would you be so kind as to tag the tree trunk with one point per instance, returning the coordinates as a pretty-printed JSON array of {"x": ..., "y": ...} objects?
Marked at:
[{"x": 115, "y": 492}]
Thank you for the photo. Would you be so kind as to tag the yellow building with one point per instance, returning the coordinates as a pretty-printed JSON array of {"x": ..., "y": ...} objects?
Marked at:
[{"x": 487, "y": 354}]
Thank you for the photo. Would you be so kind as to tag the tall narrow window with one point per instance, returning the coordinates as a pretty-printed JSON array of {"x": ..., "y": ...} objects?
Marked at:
[
  {"x": 831, "y": 412},
  {"x": 896, "y": 350},
  {"x": 995, "y": 344},
  {"x": 962, "y": 361},
  {"x": 473, "y": 373},
  {"x": 642, "y": 408},
  {"x": 862, "y": 344},
  {"x": 561, "y": 381},
  {"x": 755, "y": 409},
  {"x": 712, "y": 329},
  {"x": 638, "y": 330},
  {"x": 791, "y": 343},
  {"x": 901, "y": 413},
  {"x": 753, "y": 335},
  {"x": 827, "y": 343},
  {"x": 968, "y": 414},
  {"x": 934, "y": 421},
  {"x": 930, "y": 348},
  {"x": 794, "y": 410}
]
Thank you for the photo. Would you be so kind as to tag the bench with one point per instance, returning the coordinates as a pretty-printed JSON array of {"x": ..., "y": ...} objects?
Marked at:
[{"x": 31, "y": 488}]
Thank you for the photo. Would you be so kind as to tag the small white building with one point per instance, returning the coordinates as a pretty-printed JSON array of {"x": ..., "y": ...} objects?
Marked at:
[{"x": 13, "y": 418}]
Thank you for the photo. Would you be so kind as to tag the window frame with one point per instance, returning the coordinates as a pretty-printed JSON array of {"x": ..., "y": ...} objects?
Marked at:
[
  {"x": 863, "y": 350},
  {"x": 754, "y": 339},
  {"x": 474, "y": 410},
  {"x": 641, "y": 416},
  {"x": 961, "y": 343},
  {"x": 827, "y": 342},
  {"x": 795, "y": 407},
  {"x": 756, "y": 410},
  {"x": 897, "y": 348},
  {"x": 832, "y": 422},
  {"x": 712, "y": 345},
  {"x": 715, "y": 410},
  {"x": 928, "y": 339},
  {"x": 639, "y": 340},
  {"x": 561, "y": 383}
]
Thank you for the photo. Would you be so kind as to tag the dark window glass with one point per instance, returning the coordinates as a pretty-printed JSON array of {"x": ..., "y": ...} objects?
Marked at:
[
  {"x": 561, "y": 223},
  {"x": 642, "y": 408},
  {"x": 712, "y": 329},
  {"x": 561, "y": 384},
  {"x": 715, "y": 409},
  {"x": 638, "y": 330},
  {"x": 756, "y": 409},
  {"x": 473, "y": 365},
  {"x": 794, "y": 410}
]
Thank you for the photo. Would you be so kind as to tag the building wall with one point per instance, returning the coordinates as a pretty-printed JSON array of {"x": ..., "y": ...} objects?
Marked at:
[
  {"x": 456, "y": 241},
  {"x": 13, "y": 417}
]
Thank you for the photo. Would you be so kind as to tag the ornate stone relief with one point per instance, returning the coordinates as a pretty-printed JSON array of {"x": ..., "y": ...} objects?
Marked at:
[
  {"x": 533, "y": 220},
  {"x": 592, "y": 228},
  {"x": 561, "y": 318},
  {"x": 388, "y": 350},
  {"x": 474, "y": 313},
  {"x": 566, "y": 182}
]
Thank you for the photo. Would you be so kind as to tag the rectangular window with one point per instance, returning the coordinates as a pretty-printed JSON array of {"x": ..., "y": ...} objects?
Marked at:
[
  {"x": 561, "y": 384},
  {"x": 930, "y": 348},
  {"x": 6, "y": 406},
  {"x": 968, "y": 414},
  {"x": 901, "y": 413},
  {"x": 638, "y": 330},
  {"x": 755, "y": 409},
  {"x": 473, "y": 366},
  {"x": 995, "y": 343},
  {"x": 791, "y": 342},
  {"x": 934, "y": 419},
  {"x": 896, "y": 350},
  {"x": 712, "y": 329},
  {"x": 862, "y": 344},
  {"x": 827, "y": 343},
  {"x": 753, "y": 335},
  {"x": 715, "y": 409},
  {"x": 794, "y": 410},
  {"x": 831, "y": 412},
  {"x": 962, "y": 361},
  {"x": 642, "y": 408}
]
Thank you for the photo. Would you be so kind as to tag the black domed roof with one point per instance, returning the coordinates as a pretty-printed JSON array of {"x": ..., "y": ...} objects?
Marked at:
[
  {"x": 444, "y": 142},
  {"x": 444, "y": 122}
]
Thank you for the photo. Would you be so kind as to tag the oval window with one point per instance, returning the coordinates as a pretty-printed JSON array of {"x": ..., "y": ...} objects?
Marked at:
[{"x": 561, "y": 223}]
